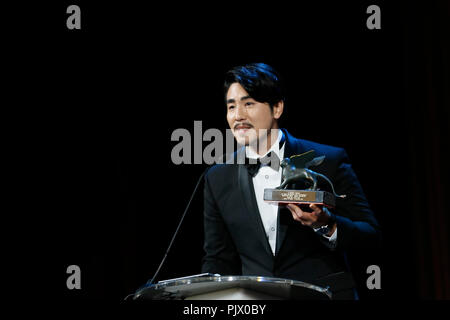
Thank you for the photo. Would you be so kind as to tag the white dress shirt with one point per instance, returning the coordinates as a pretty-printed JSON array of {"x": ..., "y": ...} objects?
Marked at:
[{"x": 267, "y": 177}]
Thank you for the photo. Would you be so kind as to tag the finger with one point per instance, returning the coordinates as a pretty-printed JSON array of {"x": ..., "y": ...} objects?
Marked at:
[
  {"x": 299, "y": 209},
  {"x": 299, "y": 219},
  {"x": 316, "y": 209},
  {"x": 293, "y": 207},
  {"x": 295, "y": 210},
  {"x": 297, "y": 213},
  {"x": 294, "y": 216},
  {"x": 307, "y": 218},
  {"x": 300, "y": 213}
]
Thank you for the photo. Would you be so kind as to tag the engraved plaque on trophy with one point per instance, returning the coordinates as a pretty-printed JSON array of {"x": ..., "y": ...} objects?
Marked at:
[{"x": 296, "y": 170}]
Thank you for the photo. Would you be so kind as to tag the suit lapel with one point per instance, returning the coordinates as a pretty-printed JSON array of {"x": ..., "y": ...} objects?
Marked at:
[
  {"x": 292, "y": 147},
  {"x": 245, "y": 185}
]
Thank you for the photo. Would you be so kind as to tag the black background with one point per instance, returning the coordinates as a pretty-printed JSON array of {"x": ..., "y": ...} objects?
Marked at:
[{"x": 105, "y": 100}]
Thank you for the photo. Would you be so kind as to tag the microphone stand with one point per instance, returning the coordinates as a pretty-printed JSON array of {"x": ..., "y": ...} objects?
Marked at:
[{"x": 178, "y": 228}]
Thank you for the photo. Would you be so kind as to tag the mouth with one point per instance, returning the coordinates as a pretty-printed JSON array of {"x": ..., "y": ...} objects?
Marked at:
[{"x": 242, "y": 128}]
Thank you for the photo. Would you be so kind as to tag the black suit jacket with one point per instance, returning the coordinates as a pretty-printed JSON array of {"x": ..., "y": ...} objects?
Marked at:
[{"x": 235, "y": 240}]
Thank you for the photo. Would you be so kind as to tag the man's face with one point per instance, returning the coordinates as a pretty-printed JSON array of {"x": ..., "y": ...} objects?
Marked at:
[{"x": 246, "y": 116}]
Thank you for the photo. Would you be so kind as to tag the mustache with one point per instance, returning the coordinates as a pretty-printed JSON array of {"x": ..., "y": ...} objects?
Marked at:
[{"x": 243, "y": 124}]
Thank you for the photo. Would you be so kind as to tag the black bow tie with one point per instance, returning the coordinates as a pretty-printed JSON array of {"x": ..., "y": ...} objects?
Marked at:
[{"x": 271, "y": 159}]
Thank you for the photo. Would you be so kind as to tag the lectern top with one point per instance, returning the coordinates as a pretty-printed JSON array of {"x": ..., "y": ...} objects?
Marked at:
[{"x": 180, "y": 288}]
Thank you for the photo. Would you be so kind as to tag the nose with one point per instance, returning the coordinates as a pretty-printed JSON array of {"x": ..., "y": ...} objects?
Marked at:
[{"x": 241, "y": 112}]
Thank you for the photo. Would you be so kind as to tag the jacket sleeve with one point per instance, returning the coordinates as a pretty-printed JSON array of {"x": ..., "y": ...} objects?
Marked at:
[
  {"x": 221, "y": 255},
  {"x": 356, "y": 223}
]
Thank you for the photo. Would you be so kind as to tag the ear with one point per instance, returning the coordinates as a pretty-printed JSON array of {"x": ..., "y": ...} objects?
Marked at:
[{"x": 278, "y": 109}]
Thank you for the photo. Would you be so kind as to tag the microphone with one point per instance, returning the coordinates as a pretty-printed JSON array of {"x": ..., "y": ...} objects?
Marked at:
[
  {"x": 178, "y": 227},
  {"x": 130, "y": 296},
  {"x": 223, "y": 157}
]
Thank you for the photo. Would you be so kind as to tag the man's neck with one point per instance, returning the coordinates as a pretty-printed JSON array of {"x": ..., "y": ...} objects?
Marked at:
[{"x": 267, "y": 142}]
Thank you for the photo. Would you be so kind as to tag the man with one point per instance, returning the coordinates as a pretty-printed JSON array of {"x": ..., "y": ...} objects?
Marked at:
[{"x": 246, "y": 235}]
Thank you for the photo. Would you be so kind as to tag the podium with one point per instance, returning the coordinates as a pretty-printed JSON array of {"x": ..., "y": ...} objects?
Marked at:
[{"x": 216, "y": 287}]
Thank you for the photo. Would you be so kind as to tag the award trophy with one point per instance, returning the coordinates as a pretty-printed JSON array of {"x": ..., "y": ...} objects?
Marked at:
[{"x": 296, "y": 171}]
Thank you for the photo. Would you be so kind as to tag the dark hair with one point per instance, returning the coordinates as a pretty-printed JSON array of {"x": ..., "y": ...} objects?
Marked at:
[{"x": 260, "y": 80}]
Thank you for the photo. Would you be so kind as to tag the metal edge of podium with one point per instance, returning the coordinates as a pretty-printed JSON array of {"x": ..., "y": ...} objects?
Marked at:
[{"x": 179, "y": 289}]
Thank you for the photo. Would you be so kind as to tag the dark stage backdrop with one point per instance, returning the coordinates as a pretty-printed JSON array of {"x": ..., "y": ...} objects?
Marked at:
[{"x": 116, "y": 90}]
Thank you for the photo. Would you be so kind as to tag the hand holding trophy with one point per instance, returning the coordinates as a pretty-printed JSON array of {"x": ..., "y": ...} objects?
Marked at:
[{"x": 296, "y": 170}]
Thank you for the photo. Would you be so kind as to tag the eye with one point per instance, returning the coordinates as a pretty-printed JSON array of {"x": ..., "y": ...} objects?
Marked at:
[
  {"x": 249, "y": 103},
  {"x": 230, "y": 107}
]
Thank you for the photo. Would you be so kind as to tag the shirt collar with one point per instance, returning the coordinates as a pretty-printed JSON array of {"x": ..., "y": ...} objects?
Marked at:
[{"x": 275, "y": 148}]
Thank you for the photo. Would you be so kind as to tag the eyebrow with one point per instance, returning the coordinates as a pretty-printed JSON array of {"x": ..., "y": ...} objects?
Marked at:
[{"x": 242, "y": 99}]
